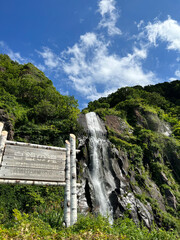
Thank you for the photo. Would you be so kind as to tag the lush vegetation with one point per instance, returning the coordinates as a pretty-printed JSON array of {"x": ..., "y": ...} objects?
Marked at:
[
  {"x": 38, "y": 112},
  {"x": 34, "y": 111},
  {"x": 148, "y": 134},
  {"x": 89, "y": 227}
]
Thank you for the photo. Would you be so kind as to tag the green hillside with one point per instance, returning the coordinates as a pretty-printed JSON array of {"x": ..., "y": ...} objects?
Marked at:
[
  {"x": 37, "y": 111},
  {"x": 33, "y": 111}
]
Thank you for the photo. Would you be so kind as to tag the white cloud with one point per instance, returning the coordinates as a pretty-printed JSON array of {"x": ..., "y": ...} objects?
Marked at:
[
  {"x": 109, "y": 15},
  {"x": 95, "y": 72},
  {"x": 51, "y": 60},
  {"x": 41, "y": 67},
  {"x": 177, "y": 73},
  {"x": 172, "y": 79},
  {"x": 166, "y": 31},
  {"x": 140, "y": 24},
  {"x": 89, "y": 39},
  {"x": 15, "y": 56}
]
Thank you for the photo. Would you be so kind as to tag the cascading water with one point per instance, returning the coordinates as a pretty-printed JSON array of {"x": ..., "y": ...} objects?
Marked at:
[{"x": 98, "y": 153}]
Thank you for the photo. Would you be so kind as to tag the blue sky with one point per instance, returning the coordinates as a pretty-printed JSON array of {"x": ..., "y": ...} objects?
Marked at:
[{"x": 90, "y": 48}]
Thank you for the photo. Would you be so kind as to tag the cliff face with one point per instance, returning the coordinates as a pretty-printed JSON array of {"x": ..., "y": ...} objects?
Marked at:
[
  {"x": 140, "y": 170},
  {"x": 130, "y": 188}
]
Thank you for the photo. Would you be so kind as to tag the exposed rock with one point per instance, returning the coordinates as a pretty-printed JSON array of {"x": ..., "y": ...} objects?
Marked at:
[
  {"x": 7, "y": 124},
  {"x": 82, "y": 122},
  {"x": 155, "y": 193},
  {"x": 164, "y": 178},
  {"x": 83, "y": 198},
  {"x": 120, "y": 192},
  {"x": 171, "y": 199},
  {"x": 150, "y": 120},
  {"x": 145, "y": 212},
  {"x": 140, "y": 119},
  {"x": 118, "y": 124},
  {"x": 155, "y": 124}
]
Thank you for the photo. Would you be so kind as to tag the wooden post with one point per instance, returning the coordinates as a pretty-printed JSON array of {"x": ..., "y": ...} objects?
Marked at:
[
  {"x": 1, "y": 127},
  {"x": 73, "y": 179},
  {"x": 3, "y": 138},
  {"x": 67, "y": 195}
]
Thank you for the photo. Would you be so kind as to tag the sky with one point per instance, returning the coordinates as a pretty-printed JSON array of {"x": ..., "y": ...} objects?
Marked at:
[{"x": 90, "y": 48}]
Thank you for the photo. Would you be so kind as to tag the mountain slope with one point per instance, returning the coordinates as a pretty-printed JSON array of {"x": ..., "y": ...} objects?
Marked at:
[
  {"x": 33, "y": 111},
  {"x": 36, "y": 110},
  {"x": 143, "y": 127}
]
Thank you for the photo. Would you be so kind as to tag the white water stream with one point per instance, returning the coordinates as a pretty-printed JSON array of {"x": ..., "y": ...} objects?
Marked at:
[{"x": 98, "y": 152}]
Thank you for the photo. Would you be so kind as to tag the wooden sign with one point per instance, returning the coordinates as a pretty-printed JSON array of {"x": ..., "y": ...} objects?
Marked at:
[
  {"x": 25, "y": 163},
  {"x": 33, "y": 162}
]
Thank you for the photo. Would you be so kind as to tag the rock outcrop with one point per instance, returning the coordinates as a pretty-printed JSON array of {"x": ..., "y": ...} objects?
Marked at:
[
  {"x": 119, "y": 182},
  {"x": 4, "y": 117}
]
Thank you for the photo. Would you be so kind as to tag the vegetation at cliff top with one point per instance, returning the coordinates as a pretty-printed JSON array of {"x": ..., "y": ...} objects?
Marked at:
[
  {"x": 148, "y": 135},
  {"x": 36, "y": 112}
]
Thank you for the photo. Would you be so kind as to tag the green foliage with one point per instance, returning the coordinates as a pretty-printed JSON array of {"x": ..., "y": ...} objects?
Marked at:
[
  {"x": 150, "y": 113},
  {"x": 89, "y": 227},
  {"x": 31, "y": 100},
  {"x": 39, "y": 114}
]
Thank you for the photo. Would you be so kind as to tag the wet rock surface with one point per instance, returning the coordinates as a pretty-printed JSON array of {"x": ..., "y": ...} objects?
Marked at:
[{"x": 119, "y": 188}]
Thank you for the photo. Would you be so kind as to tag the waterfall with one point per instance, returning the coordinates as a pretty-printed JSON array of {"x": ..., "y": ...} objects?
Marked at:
[{"x": 98, "y": 153}]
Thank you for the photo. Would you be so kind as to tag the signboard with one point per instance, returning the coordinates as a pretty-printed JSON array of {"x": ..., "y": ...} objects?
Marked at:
[
  {"x": 33, "y": 162},
  {"x": 26, "y": 163}
]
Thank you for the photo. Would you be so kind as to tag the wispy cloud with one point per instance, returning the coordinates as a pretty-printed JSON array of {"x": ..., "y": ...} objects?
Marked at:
[
  {"x": 95, "y": 72},
  {"x": 166, "y": 31},
  {"x": 40, "y": 66},
  {"x": 90, "y": 67},
  {"x": 177, "y": 73},
  {"x": 15, "y": 56},
  {"x": 109, "y": 15},
  {"x": 51, "y": 60}
]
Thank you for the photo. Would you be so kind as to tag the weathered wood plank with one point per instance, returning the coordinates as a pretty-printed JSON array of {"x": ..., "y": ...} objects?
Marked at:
[
  {"x": 7, "y": 157},
  {"x": 36, "y": 146},
  {"x": 34, "y": 153},
  {"x": 67, "y": 193},
  {"x": 22, "y": 144},
  {"x": 13, "y": 161},
  {"x": 3, "y": 138},
  {"x": 73, "y": 179},
  {"x": 31, "y": 174},
  {"x": 27, "y": 182},
  {"x": 1, "y": 127}
]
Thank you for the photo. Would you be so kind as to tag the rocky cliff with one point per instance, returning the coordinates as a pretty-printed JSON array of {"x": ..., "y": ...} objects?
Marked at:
[{"x": 140, "y": 170}]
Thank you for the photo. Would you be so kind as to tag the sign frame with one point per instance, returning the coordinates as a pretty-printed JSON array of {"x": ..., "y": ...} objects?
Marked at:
[{"x": 25, "y": 157}]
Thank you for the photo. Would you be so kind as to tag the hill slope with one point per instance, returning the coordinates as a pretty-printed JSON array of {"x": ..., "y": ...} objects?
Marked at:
[
  {"x": 36, "y": 110},
  {"x": 33, "y": 111},
  {"x": 143, "y": 124}
]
